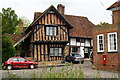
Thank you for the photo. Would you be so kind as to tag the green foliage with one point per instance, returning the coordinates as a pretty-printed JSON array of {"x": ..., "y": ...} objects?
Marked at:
[
  {"x": 64, "y": 72},
  {"x": 9, "y": 20},
  {"x": 0, "y": 39},
  {"x": 7, "y": 48},
  {"x": 102, "y": 24},
  {"x": 12, "y": 76},
  {"x": 25, "y": 21},
  {"x": 17, "y": 31}
]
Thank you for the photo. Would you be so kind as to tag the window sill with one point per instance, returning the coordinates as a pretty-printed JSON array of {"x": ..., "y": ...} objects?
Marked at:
[
  {"x": 100, "y": 52},
  {"x": 112, "y": 52},
  {"x": 52, "y": 35}
]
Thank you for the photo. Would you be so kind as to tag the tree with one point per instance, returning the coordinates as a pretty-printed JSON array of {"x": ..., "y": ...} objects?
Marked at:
[
  {"x": 9, "y": 21},
  {"x": 7, "y": 48},
  {"x": 25, "y": 22}
]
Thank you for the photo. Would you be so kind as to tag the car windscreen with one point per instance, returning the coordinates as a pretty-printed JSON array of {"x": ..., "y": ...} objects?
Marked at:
[{"x": 77, "y": 55}]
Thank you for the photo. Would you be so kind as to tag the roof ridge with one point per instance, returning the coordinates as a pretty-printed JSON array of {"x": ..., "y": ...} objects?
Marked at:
[
  {"x": 75, "y": 16},
  {"x": 38, "y": 12}
]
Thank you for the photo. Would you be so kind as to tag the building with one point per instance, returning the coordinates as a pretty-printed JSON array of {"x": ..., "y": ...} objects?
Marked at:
[
  {"x": 80, "y": 35},
  {"x": 106, "y": 48},
  {"x": 52, "y": 35}
]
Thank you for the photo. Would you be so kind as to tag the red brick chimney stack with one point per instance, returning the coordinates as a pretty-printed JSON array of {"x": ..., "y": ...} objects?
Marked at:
[
  {"x": 21, "y": 26},
  {"x": 60, "y": 8}
]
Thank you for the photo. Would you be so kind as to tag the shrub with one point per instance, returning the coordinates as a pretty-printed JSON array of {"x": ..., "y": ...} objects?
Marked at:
[{"x": 7, "y": 48}]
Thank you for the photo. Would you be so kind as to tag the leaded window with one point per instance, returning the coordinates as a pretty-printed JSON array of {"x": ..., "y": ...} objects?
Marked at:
[
  {"x": 55, "y": 51},
  {"x": 51, "y": 31}
]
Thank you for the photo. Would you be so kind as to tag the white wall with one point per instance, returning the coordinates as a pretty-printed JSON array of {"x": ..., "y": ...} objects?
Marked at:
[
  {"x": 82, "y": 51},
  {"x": 78, "y": 43},
  {"x": 87, "y": 42},
  {"x": 73, "y": 41}
]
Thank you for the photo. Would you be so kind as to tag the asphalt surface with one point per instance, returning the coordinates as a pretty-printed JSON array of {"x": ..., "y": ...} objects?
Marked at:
[{"x": 87, "y": 69}]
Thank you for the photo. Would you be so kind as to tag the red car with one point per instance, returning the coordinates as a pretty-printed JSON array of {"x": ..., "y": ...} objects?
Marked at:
[{"x": 18, "y": 62}]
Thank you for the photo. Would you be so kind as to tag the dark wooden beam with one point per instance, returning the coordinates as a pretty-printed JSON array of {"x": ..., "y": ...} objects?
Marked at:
[{"x": 37, "y": 51}]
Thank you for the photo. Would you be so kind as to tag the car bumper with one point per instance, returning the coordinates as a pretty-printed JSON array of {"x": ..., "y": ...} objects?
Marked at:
[{"x": 79, "y": 60}]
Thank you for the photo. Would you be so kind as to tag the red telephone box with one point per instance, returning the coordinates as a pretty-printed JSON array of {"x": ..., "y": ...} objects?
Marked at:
[{"x": 104, "y": 59}]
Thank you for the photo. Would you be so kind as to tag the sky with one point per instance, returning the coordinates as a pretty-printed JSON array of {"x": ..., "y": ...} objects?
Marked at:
[{"x": 94, "y": 10}]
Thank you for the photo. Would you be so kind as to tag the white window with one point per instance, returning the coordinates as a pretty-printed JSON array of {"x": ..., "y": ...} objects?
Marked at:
[
  {"x": 73, "y": 41},
  {"x": 100, "y": 43},
  {"x": 112, "y": 42},
  {"x": 51, "y": 31},
  {"x": 87, "y": 42}
]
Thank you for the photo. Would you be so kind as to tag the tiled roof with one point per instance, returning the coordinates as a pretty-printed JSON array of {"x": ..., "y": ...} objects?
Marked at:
[
  {"x": 82, "y": 27},
  {"x": 15, "y": 37},
  {"x": 116, "y": 4},
  {"x": 37, "y": 14}
]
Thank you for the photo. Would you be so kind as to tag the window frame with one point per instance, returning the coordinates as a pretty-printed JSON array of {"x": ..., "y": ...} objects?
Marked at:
[
  {"x": 98, "y": 43},
  {"x": 74, "y": 49},
  {"x": 52, "y": 28},
  {"x": 53, "y": 52},
  {"x": 109, "y": 50}
]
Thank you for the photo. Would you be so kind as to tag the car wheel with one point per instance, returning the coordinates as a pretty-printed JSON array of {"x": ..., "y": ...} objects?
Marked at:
[
  {"x": 9, "y": 67},
  {"x": 82, "y": 62},
  {"x": 32, "y": 66},
  {"x": 72, "y": 61},
  {"x": 66, "y": 58}
]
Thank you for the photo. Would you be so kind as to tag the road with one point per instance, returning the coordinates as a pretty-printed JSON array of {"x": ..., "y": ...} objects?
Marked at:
[{"x": 86, "y": 68}]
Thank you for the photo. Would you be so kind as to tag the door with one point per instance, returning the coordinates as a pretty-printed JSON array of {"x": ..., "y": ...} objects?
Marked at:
[
  {"x": 15, "y": 62},
  {"x": 22, "y": 62},
  {"x": 82, "y": 51},
  {"x": 87, "y": 52}
]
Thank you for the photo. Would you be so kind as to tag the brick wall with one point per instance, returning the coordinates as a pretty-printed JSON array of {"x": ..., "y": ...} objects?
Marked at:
[
  {"x": 119, "y": 46},
  {"x": 111, "y": 58},
  {"x": 116, "y": 19}
]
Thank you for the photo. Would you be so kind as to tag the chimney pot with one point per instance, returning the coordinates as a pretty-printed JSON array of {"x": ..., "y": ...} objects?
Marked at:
[{"x": 60, "y": 8}]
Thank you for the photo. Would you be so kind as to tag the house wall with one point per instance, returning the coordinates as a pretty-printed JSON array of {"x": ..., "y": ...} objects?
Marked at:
[
  {"x": 116, "y": 19},
  {"x": 111, "y": 57},
  {"x": 51, "y": 20},
  {"x": 42, "y": 42},
  {"x": 81, "y": 44}
]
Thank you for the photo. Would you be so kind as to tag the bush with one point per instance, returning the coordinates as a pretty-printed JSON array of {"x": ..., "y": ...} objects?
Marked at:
[{"x": 7, "y": 48}]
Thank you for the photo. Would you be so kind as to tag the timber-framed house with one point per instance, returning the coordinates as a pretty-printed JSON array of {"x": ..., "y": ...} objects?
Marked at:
[
  {"x": 53, "y": 35},
  {"x": 47, "y": 36}
]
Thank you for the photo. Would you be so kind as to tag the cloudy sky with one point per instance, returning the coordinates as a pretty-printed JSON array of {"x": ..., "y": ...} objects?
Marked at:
[{"x": 95, "y": 10}]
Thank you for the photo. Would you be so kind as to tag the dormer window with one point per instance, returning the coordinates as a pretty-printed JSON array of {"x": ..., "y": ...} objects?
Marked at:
[{"x": 51, "y": 31}]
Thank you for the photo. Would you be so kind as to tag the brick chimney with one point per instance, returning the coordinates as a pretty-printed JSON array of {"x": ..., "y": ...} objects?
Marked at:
[
  {"x": 60, "y": 8},
  {"x": 115, "y": 8},
  {"x": 21, "y": 26}
]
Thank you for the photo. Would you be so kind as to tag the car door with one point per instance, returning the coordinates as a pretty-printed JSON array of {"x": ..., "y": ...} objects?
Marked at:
[
  {"x": 22, "y": 63},
  {"x": 14, "y": 62}
]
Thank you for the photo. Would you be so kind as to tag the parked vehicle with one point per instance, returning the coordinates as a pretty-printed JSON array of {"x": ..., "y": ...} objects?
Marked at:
[
  {"x": 75, "y": 58},
  {"x": 18, "y": 62}
]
